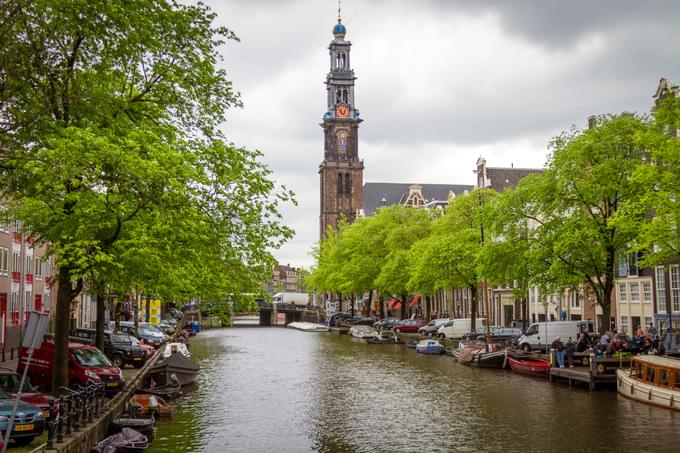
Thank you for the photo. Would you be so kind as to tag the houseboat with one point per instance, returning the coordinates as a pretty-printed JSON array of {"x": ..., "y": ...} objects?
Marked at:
[{"x": 651, "y": 379}]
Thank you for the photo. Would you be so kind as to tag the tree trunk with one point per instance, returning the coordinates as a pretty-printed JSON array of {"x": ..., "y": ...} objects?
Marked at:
[
  {"x": 117, "y": 313},
  {"x": 369, "y": 303},
  {"x": 473, "y": 308},
  {"x": 403, "y": 306},
  {"x": 101, "y": 310},
  {"x": 381, "y": 306},
  {"x": 428, "y": 308},
  {"x": 61, "y": 331}
]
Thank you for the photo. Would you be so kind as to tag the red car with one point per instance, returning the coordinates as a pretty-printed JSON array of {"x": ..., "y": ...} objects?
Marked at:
[
  {"x": 409, "y": 325},
  {"x": 9, "y": 382}
]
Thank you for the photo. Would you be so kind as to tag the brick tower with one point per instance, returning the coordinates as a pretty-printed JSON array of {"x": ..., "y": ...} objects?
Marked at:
[{"x": 341, "y": 172}]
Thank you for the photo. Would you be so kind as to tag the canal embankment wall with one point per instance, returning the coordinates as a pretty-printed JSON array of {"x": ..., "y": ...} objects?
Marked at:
[{"x": 92, "y": 433}]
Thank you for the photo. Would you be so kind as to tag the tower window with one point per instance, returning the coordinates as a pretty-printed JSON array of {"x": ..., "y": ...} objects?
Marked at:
[
  {"x": 340, "y": 184},
  {"x": 338, "y": 96},
  {"x": 344, "y": 96},
  {"x": 348, "y": 184}
]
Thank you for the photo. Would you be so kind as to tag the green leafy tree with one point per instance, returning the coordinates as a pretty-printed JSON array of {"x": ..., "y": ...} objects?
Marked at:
[
  {"x": 449, "y": 257},
  {"x": 109, "y": 127},
  {"x": 570, "y": 209}
]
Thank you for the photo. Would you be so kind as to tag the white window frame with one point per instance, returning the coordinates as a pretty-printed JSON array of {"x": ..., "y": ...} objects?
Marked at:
[
  {"x": 634, "y": 295},
  {"x": 15, "y": 262},
  {"x": 660, "y": 289},
  {"x": 623, "y": 293},
  {"x": 647, "y": 292},
  {"x": 38, "y": 268},
  {"x": 624, "y": 324},
  {"x": 649, "y": 321},
  {"x": 4, "y": 261},
  {"x": 29, "y": 264},
  {"x": 674, "y": 272}
]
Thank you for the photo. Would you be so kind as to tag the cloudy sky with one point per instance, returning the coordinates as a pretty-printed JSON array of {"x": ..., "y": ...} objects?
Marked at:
[{"x": 439, "y": 83}]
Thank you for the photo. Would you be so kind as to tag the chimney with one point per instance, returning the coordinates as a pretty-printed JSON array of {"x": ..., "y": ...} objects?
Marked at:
[{"x": 592, "y": 121}]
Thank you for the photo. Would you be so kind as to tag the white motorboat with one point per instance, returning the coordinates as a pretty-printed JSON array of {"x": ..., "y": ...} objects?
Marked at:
[
  {"x": 179, "y": 347},
  {"x": 309, "y": 327},
  {"x": 363, "y": 332},
  {"x": 652, "y": 380}
]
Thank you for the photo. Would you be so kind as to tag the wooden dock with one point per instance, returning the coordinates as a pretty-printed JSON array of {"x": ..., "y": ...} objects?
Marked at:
[{"x": 598, "y": 371}]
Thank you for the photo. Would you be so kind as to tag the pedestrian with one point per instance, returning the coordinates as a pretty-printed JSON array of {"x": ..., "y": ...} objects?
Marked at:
[
  {"x": 570, "y": 346},
  {"x": 604, "y": 343},
  {"x": 559, "y": 351}
]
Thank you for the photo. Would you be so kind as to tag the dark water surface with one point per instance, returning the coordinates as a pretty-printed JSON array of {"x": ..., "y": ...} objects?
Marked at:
[{"x": 282, "y": 390}]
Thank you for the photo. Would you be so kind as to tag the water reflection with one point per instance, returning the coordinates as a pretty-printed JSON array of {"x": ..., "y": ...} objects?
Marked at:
[{"x": 274, "y": 389}]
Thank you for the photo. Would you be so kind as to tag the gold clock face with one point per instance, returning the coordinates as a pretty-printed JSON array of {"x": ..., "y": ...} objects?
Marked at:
[{"x": 342, "y": 111}]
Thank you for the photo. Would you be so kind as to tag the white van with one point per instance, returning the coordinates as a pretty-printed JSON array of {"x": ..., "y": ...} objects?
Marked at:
[
  {"x": 456, "y": 328},
  {"x": 540, "y": 335}
]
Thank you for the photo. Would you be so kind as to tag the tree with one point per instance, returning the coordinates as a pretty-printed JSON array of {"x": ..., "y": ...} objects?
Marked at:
[
  {"x": 109, "y": 118},
  {"x": 570, "y": 209},
  {"x": 449, "y": 257}
]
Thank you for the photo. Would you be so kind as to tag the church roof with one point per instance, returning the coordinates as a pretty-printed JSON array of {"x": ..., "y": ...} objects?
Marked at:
[{"x": 397, "y": 193}]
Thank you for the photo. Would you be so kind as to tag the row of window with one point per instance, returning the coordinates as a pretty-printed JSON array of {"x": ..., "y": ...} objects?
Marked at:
[
  {"x": 674, "y": 272},
  {"x": 630, "y": 292},
  {"x": 31, "y": 264}
]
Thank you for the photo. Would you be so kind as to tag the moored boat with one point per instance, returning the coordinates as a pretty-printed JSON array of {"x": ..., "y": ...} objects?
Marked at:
[
  {"x": 385, "y": 337},
  {"x": 151, "y": 404},
  {"x": 126, "y": 441},
  {"x": 652, "y": 380},
  {"x": 363, "y": 332},
  {"x": 430, "y": 347},
  {"x": 526, "y": 364},
  {"x": 182, "y": 368},
  {"x": 480, "y": 355},
  {"x": 308, "y": 327}
]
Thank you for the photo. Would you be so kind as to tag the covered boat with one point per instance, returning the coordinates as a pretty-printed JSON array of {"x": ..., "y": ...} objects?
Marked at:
[
  {"x": 140, "y": 423},
  {"x": 363, "y": 332},
  {"x": 385, "y": 337},
  {"x": 652, "y": 380},
  {"x": 126, "y": 441},
  {"x": 308, "y": 327},
  {"x": 184, "y": 370},
  {"x": 526, "y": 364},
  {"x": 430, "y": 347}
]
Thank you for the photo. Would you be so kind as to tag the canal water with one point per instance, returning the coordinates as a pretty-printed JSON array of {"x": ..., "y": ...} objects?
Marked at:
[{"x": 282, "y": 390}]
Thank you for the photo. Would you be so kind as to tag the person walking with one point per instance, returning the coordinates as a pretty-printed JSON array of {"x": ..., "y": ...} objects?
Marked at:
[
  {"x": 558, "y": 346},
  {"x": 570, "y": 346}
]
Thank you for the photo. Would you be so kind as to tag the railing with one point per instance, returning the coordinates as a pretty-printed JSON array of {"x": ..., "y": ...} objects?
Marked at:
[{"x": 74, "y": 410}]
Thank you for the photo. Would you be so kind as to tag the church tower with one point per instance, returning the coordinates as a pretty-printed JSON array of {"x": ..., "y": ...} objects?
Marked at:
[{"x": 341, "y": 171}]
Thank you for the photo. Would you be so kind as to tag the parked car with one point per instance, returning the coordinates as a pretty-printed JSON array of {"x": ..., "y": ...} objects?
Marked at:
[
  {"x": 361, "y": 321},
  {"x": 431, "y": 328},
  {"x": 456, "y": 328},
  {"x": 142, "y": 333},
  {"x": 541, "y": 334},
  {"x": 29, "y": 421},
  {"x": 501, "y": 335},
  {"x": 385, "y": 323},
  {"x": 338, "y": 318},
  {"x": 9, "y": 383},
  {"x": 150, "y": 350},
  {"x": 86, "y": 364},
  {"x": 117, "y": 347},
  {"x": 480, "y": 331},
  {"x": 175, "y": 313},
  {"x": 363, "y": 331},
  {"x": 409, "y": 325}
]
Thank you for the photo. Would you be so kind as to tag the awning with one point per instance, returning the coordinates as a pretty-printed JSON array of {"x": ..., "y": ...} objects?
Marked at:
[
  {"x": 391, "y": 303},
  {"x": 415, "y": 300},
  {"x": 397, "y": 306}
]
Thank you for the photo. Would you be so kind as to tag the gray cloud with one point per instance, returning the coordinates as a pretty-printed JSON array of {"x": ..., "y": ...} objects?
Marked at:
[{"x": 439, "y": 82}]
